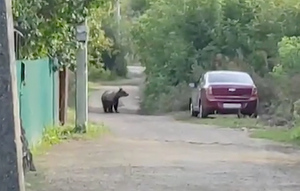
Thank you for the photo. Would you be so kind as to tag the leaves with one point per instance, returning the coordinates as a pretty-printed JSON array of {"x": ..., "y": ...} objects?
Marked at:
[
  {"x": 289, "y": 52},
  {"x": 49, "y": 26}
]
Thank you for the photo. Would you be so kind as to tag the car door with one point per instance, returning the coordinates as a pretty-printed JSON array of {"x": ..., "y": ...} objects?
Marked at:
[{"x": 196, "y": 92}]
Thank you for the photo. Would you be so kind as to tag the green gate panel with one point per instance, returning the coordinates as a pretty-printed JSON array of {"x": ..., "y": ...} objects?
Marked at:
[{"x": 38, "y": 95}]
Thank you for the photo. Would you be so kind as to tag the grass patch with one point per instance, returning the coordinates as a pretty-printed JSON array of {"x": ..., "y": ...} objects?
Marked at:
[
  {"x": 58, "y": 134},
  {"x": 291, "y": 136},
  {"x": 278, "y": 135},
  {"x": 221, "y": 121}
]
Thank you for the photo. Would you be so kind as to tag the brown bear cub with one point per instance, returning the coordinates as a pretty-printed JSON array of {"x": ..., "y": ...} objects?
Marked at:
[{"x": 110, "y": 100}]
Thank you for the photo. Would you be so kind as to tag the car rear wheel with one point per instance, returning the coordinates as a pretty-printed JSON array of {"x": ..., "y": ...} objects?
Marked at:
[
  {"x": 254, "y": 115},
  {"x": 202, "y": 112},
  {"x": 192, "y": 112}
]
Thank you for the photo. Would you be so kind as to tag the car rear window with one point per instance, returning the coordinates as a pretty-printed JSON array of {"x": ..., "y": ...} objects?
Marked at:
[{"x": 230, "y": 77}]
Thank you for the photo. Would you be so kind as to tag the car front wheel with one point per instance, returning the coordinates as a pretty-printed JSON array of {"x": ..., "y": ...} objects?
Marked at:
[{"x": 192, "y": 112}]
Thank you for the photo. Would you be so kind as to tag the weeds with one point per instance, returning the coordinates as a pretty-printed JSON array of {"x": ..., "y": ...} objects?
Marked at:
[
  {"x": 58, "y": 134},
  {"x": 280, "y": 135}
]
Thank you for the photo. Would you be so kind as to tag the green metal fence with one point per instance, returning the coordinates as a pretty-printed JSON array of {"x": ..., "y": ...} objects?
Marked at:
[{"x": 38, "y": 96}]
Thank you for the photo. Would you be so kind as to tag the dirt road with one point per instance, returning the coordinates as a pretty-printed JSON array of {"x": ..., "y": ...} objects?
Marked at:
[{"x": 157, "y": 153}]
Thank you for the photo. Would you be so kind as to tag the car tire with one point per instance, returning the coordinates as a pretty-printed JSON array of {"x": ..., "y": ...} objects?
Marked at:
[
  {"x": 240, "y": 115},
  {"x": 254, "y": 115},
  {"x": 192, "y": 112},
  {"x": 202, "y": 112}
]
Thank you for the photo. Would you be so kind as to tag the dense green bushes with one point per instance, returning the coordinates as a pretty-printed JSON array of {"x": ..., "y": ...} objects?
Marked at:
[{"x": 178, "y": 40}]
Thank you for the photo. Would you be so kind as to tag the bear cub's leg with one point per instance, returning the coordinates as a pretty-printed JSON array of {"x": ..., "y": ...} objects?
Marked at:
[
  {"x": 104, "y": 105},
  {"x": 116, "y": 106},
  {"x": 110, "y": 108}
]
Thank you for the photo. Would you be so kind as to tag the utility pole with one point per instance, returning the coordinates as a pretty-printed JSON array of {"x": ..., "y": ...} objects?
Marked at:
[
  {"x": 11, "y": 171},
  {"x": 82, "y": 77}
]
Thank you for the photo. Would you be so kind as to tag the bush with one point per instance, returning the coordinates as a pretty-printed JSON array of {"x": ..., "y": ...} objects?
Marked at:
[
  {"x": 176, "y": 99},
  {"x": 98, "y": 73}
]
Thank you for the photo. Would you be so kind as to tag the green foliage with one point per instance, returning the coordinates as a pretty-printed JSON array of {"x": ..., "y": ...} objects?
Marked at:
[
  {"x": 280, "y": 135},
  {"x": 274, "y": 134},
  {"x": 49, "y": 29},
  {"x": 48, "y": 26},
  {"x": 106, "y": 50},
  {"x": 289, "y": 52},
  {"x": 114, "y": 59},
  {"x": 138, "y": 7},
  {"x": 98, "y": 42},
  {"x": 99, "y": 74},
  {"x": 172, "y": 38}
]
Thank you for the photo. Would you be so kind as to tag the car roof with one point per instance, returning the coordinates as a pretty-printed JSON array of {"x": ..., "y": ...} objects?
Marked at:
[{"x": 226, "y": 72}]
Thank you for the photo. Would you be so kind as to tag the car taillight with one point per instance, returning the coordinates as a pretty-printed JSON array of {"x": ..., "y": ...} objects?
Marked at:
[
  {"x": 209, "y": 90},
  {"x": 254, "y": 91}
]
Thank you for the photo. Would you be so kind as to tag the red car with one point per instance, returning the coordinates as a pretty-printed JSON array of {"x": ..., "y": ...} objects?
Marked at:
[{"x": 224, "y": 92}]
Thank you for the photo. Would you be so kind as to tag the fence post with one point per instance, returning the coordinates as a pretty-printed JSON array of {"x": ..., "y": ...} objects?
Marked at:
[
  {"x": 63, "y": 95},
  {"x": 11, "y": 169}
]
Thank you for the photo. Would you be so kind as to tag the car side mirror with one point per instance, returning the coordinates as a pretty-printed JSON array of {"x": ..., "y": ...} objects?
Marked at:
[{"x": 192, "y": 85}]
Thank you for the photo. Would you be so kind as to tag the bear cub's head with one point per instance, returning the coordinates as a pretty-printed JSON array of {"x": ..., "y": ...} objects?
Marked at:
[{"x": 121, "y": 93}]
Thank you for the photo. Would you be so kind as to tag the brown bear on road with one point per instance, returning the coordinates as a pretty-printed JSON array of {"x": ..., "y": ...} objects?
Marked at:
[{"x": 110, "y": 100}]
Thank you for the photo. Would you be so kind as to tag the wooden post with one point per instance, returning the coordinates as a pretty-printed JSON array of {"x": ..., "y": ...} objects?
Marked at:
[
  {"x": 63, "y": 95},
  {"x": 11, "y": 171}
]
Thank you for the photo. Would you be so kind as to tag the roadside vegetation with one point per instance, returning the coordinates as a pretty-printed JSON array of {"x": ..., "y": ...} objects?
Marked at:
[
  {"x": 179, "y": 40},
  {"x": 58, "y": 134},
  {"x": 279, "y": 134}
]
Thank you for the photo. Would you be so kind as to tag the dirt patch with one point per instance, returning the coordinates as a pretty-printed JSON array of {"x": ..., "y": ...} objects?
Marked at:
[{"x": 126, "y": 164}]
